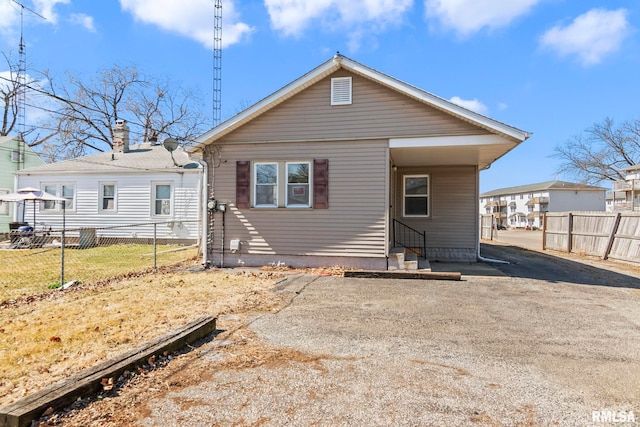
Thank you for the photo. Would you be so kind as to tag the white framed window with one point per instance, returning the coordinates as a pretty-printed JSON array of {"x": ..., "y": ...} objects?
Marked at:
[
  {"x": 415, "y": 195},
  {"x": 265, "y": 179},
  {"x": 162, "y": 199},
  {"x": 4, "y": 206},
  {"x": 298, "y": 190},
  {"x": 341, "y": 91},
  {"x": 16, "y": 156},
  {"x": 65, "y": 190},
  {"x": 107, "y": 202}
]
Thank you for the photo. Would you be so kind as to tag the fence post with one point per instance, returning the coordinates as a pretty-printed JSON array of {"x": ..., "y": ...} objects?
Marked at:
[
  {"x": 612, "y": 236},
  {"x": 155, "y": 250},
  {"x": 62, "y": 242},
  {"x": 544, "y": 231},
  {"x": 569, "y": 230}
]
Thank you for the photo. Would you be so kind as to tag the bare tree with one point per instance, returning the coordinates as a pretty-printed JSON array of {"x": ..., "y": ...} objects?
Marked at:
[
  {"x": 10, "y": 93},
  {"x": 601, "y": 151},
  {"x": 9, "y": 90},
  {"x": 89, "y": 110}
]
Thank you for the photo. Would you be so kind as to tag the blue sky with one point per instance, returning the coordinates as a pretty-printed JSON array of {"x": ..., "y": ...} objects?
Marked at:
[{"x": 550, "y": 67}]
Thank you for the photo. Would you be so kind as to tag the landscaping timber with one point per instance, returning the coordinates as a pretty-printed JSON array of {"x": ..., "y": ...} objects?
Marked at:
[
  {"x": 395, "y": 274},
  {"x": 63, "y": 393}
]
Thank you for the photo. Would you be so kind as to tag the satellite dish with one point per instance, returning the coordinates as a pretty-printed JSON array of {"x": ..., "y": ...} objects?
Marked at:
[{"x": 170, "y": 144}]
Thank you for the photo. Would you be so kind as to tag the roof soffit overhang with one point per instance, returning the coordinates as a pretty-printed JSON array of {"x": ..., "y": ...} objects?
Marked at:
[{"x": 341, "y": 62}]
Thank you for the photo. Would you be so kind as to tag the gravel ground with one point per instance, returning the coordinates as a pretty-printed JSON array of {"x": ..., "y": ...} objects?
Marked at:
[{"x": 541, "y": 341}]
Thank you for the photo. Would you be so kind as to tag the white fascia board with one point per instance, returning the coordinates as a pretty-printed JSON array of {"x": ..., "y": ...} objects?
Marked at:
[{"x": 446, "y": 141}]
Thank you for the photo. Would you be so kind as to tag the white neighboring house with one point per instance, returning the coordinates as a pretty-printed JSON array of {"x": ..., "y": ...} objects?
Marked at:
[
  {"x": 525, "y": 205},
  {"x": 615, "y": 199},
  {"x": 630, "y": 188},
  {"x": 141, "y": 184}
]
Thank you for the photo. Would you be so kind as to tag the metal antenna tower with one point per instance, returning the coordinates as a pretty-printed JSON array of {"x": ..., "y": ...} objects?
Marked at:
[
  {"x": 217, "y": 62},
  {"x": 22, "y": 71}
]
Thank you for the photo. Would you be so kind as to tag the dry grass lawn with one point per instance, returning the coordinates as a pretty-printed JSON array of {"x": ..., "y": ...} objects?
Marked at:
[
  {"x": 48, "y": 338},
  {"x": 28, "y": 272}
]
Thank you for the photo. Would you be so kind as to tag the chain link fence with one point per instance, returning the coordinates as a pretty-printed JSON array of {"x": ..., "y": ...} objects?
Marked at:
[{"x": 35, "y": 261}]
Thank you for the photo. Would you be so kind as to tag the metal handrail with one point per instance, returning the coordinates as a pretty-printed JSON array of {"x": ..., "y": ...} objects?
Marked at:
[{"x": 409, "y": 238}]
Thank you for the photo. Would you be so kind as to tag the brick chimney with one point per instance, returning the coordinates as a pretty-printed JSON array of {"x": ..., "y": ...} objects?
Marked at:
[{"x": 121, "y": 137}]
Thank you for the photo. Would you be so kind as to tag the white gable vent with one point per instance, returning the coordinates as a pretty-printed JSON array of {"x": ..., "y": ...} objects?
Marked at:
[{"x": 341, "y": 90}]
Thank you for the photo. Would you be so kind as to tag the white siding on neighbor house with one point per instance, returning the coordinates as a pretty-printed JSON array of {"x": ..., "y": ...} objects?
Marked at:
[
  {"x": 453, "y": 220},
  {"x": 353, "y": 225},
  {"x": 376, "y": 112},
  {"x": 134, "y": 204},
  {"x": 576, "y": 200}
]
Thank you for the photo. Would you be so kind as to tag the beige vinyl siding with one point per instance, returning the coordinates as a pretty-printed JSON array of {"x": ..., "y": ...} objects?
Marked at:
[
  {"x": 376, "y": 112},
  {"x": 353, "y": 225},
  {"x": 452, "y": 206}
]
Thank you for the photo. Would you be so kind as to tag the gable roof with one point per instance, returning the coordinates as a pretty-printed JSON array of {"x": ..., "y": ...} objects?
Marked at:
[
  {"x": 543, "y": 186},
  {"x": 342, "y": 62},
  {"x": 143, "y": 158}
]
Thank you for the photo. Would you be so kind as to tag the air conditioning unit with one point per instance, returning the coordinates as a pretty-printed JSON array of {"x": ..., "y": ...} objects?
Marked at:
[{"x": 16, "y": 156}]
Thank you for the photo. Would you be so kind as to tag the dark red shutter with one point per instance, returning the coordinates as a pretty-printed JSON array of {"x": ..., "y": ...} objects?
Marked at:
[
  {"x": 243, "y": 184},
  {"x": 321, "y": 183}
]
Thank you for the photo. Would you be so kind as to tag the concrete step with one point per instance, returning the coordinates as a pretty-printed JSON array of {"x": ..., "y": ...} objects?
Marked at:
[
  {"x": 411, "y": 262},
  {"x": 399, "y": 259}
]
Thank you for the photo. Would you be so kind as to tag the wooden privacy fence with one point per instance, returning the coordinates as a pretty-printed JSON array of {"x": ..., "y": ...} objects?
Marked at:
[
  {"x": 487, "y": 226},
  {"x": 614, "y": 235}
]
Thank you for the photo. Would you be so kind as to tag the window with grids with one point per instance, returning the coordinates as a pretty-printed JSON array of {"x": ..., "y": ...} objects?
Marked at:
[
  {"x": 298, "y": 185},
  {"x": 416, "y": 195},
  {"x": 67, "y": 191},
  {"x": 266, "y": 185},
  {"x": 107, "y": 197},
  {"x": 282, "y": 184},
  {"x": 161, "y": 199}
]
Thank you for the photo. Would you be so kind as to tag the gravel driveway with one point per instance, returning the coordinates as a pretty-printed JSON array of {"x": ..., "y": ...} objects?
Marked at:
[
  {"x": 490, "y": 350},
  {"x": 540, "y": 341}
]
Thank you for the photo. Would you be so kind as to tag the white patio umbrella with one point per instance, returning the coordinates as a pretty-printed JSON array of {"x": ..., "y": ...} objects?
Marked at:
[{"x": 30, "y": 193}]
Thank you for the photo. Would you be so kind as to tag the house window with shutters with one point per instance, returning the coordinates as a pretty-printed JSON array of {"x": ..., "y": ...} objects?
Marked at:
[
  {"x": 265, "y": 193},
  {"x": 298, "y": 185},
  {"x": 341, "y": 91},
  {"x": 282, "y": 184}
]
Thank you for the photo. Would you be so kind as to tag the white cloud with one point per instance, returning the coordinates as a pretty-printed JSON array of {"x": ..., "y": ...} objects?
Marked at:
[
  {"x": 83, "y": 20},
  {"x": 590, "y": 36},
  {"x": 360, "y": 19},
  {"x": 190, "y": 18},
  {"x": 469, "y": 16},
  {"x": 45, "y": 8},
  {"x": 470, "y": 104},
  {"x": 10, "y": 17}
]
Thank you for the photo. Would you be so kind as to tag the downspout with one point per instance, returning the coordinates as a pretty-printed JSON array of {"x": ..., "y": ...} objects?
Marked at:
[
  {"x": 480, "y": 257},
  {"x": 203, "y": 208}
]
